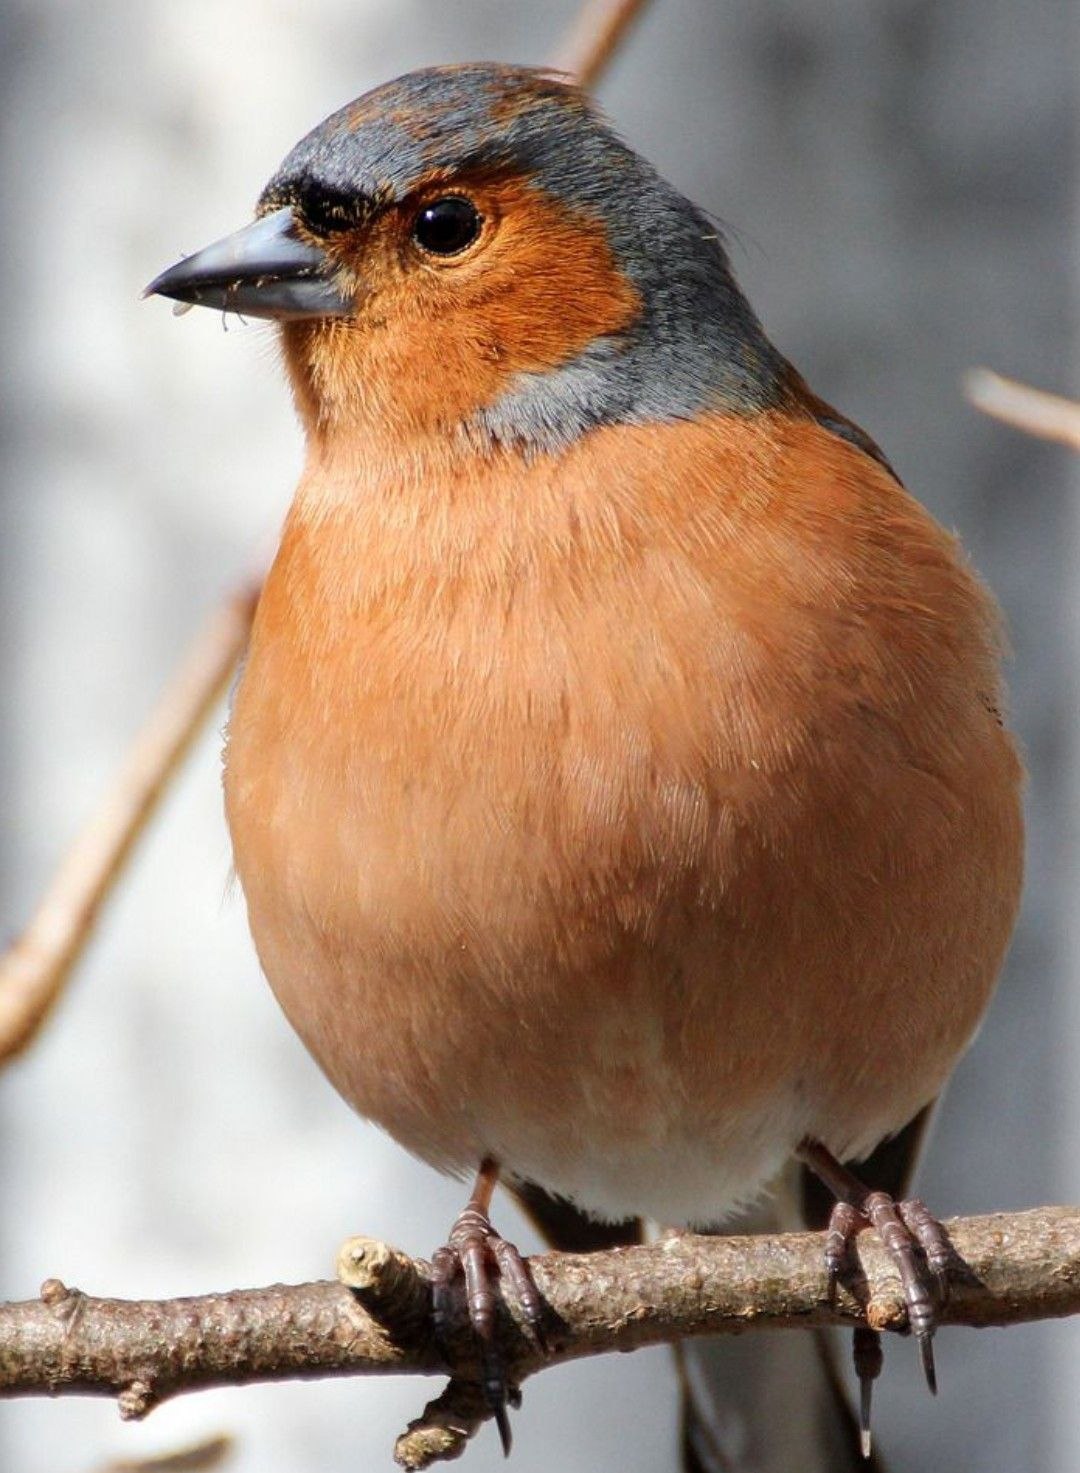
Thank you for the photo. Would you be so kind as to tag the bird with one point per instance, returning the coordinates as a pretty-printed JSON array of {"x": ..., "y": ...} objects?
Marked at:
[{"x": 617, "y": 775}]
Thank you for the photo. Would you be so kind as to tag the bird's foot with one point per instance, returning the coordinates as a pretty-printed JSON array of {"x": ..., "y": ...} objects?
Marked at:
[
  {"x": 904, "y": 1228},
  {"x": 915, "y": 1241},
  {"x": 480, "y": 1256}
]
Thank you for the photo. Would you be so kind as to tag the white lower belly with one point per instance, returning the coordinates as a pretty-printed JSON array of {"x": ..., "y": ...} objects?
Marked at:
[{"x": 668, "y": 1175}]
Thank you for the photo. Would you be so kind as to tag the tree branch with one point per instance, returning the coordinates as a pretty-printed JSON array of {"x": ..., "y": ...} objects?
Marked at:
[
  {"x": 1009, "y": 1269},
  {"x": 1046, "y": 416},
  {"x": 595, "y": 37},
  {"x": 33, "y": 971}
]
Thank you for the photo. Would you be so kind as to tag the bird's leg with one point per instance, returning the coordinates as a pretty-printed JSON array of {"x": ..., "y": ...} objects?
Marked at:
[
  {"x": 472, "y": 1250},
  {"x": 903, "y": 1227}
]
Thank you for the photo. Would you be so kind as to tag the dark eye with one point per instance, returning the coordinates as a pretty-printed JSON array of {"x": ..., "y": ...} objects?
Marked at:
[{"x": 447, "y": 226}]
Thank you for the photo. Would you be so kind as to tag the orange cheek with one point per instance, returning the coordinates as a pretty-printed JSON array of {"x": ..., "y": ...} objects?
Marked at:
[
  {"x": 547, "y": 285},
  {"x": 434, "y": 342}
]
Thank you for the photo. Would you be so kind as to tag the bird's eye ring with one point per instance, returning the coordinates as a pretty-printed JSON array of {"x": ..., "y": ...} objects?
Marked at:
[{"x": 447, "y": 226}]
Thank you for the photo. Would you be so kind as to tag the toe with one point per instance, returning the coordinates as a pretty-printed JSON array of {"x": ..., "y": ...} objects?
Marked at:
[
  {"x": 893, "y": 1232},
  {"x": 514, "y": 1270},
  {"x": 932, "y": 1239},
  {"x": 445, "y": 1267},
  {"x": 845, "y": 1222}
]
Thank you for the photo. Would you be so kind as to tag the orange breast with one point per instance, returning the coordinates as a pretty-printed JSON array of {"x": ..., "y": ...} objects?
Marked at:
[{"x": 630, "y": 813}]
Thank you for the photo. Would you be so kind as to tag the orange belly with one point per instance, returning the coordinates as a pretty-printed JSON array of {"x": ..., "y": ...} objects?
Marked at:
[{"x": 633, "y": 867}]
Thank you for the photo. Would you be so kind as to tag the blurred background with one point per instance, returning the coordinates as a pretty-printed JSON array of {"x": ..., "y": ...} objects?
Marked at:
[{"x": 898, "y": 180}]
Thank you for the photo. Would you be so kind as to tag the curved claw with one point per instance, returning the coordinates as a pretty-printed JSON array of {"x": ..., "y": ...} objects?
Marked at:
[
  {"x": 511, "y": 1400},
  {"x": 502, "y": 1422},
  {"x": 866, "y": 1397},
  {"x": 925, "y": 1342},
  {"x": 869, "y": 1359}
]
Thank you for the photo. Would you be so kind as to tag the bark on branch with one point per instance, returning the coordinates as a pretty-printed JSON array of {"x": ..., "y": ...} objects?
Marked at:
[{"x": 1008, "y": 1269}]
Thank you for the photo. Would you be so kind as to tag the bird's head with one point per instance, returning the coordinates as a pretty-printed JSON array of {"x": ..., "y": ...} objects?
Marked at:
[{"x": 471, "y": 250}]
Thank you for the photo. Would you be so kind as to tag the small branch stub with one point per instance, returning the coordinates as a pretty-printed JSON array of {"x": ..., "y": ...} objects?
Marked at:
[
  {"x": 392, "y": 1287},
  {"x": 444, "y": 1428},
  {"x": 135, "y": 1401}
]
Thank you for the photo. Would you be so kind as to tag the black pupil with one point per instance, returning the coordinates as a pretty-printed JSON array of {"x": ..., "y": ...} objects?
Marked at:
[{"x": 447, "y": 226}]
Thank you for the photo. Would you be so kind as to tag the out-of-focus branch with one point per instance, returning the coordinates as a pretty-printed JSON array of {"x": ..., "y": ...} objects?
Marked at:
[
  {"x": 1008, "y": 1269},
  {"x": 1048, "y": 416},
  {"x": 595, "y": 35},
  {"x": 212, "y": 1452},
  {"x": 34, "y": 969}
]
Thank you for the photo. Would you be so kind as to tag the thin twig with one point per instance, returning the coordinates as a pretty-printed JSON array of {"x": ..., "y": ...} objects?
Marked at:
[
  {"x": 595, "y": 36},
  {"x": 1008, "y": 1269},
  {"x": 33, "y": 971},
  {"x": 1047, "y": 416}
]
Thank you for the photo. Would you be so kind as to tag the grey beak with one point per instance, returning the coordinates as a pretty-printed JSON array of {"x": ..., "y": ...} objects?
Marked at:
[{"x": 264, "y": 270}]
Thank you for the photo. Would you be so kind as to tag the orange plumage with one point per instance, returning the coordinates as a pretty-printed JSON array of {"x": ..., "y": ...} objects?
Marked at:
[{"x": 632, "y": 801}]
